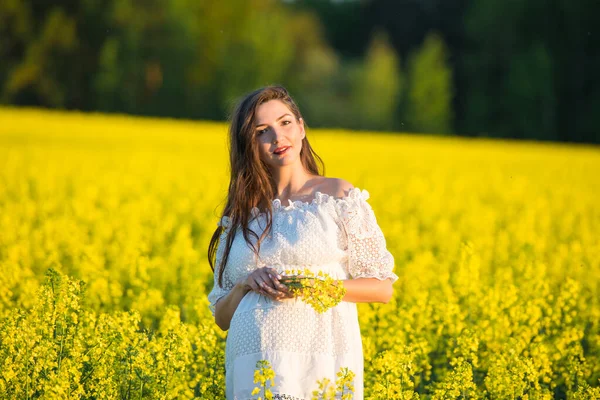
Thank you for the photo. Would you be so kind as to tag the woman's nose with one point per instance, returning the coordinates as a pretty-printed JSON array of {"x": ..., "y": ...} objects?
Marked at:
[{"x": 277, "y": 135}]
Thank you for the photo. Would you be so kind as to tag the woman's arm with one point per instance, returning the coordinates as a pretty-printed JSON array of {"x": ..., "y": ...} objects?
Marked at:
[
  {"x": 262, "y": 280},
  {"x": 368, "y": 290},
  {"x": 227, "y": 305}
]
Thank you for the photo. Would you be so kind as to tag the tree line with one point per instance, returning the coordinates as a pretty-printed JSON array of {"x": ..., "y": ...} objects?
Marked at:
[{"x": 519, "y": 69}]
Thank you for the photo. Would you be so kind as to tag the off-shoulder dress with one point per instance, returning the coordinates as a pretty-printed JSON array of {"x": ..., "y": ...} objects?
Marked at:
[{"x": 339, "y": 236}]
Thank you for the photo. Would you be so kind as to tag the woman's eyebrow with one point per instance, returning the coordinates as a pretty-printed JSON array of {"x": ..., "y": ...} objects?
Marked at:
[{"x": 275, "y": 120}]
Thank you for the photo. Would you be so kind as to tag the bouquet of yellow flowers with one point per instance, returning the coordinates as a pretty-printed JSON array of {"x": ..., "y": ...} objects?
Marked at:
[{"x": 320, "y": 291}]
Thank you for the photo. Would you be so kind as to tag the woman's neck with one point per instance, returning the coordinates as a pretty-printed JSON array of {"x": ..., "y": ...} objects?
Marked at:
[{"x": 292, "y": 183}]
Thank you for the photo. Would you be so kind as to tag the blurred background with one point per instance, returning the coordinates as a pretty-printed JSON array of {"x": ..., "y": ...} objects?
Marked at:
[{"x": 526, "y": 69}]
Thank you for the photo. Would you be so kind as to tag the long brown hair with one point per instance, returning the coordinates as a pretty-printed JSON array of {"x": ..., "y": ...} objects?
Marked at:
[{"x": 251, "y": 183}]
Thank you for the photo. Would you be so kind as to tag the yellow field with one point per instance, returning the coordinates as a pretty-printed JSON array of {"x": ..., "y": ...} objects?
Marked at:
[{"x": 496, "y": 245}]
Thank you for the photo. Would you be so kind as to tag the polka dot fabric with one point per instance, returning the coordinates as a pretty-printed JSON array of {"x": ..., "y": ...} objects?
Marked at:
[{"x": 339, "y": 236}]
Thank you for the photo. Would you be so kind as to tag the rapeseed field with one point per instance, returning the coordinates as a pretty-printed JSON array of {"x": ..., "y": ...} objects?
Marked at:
[{"x": 105, "y": 222}]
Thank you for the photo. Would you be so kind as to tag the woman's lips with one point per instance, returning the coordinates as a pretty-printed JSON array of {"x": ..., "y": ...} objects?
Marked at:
[{"x": 282, "y": 151}]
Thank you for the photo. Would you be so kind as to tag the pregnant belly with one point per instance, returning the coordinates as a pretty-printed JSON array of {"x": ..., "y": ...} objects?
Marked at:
[{"x": 260, "y": 324}]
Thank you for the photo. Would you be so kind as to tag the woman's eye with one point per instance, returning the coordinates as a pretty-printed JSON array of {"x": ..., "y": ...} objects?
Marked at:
[{"x": 261, "y": 131}]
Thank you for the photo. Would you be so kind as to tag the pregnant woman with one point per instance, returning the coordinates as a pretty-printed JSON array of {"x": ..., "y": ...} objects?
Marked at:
[{"x": 282, "y": 214}]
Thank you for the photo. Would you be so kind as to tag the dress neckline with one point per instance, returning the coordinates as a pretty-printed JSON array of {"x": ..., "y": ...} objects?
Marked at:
[
  {"x": 354, "y": 194},
  {"x": 319, "y": 198}
]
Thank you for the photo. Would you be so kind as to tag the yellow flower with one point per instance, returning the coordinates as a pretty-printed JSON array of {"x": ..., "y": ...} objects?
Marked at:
[
  {"x": 264, "y": 376},
  {"x": 320, "y": 291}
]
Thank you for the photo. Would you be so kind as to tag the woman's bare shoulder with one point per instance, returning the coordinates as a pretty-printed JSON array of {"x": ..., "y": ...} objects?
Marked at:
[{"x": 336, "y": 187}]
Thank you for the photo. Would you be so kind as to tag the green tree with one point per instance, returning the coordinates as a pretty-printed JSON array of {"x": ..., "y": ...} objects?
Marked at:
[
  {"x": 35, "y": 62},
  {"x": 430, "y": 88},
  {"x": 143, "y": 63},
  {"x": 192, "y": 59},
  {"x": 259, "y": 49},
  {"x": 315, "y": 76},
  {"x": 377, "y": 87},
  {"x": 530, "y": 94},
  {"x": 531, "y": 69}
]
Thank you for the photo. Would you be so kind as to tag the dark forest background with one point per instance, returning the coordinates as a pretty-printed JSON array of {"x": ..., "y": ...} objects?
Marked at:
[{"x": 500, "y": 68}]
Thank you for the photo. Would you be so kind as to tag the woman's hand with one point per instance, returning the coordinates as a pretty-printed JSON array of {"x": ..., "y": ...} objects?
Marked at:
[{"x": 265, "y": 281}]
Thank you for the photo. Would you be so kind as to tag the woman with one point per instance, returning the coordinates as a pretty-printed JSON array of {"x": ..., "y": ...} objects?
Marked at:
[{"x": 282, "y": 214}]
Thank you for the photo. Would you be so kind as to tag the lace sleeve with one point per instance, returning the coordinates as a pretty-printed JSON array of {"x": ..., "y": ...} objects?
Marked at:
[
  {"x": 368, "y": 256},
  {"x": 217, "y": 292}
]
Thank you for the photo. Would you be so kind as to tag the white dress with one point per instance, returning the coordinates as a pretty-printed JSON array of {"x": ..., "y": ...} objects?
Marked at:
[{"x": 339, "y": 236}]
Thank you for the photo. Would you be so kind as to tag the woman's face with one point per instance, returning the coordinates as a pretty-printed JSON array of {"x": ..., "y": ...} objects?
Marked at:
[{"x": 278, "y": 134}]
